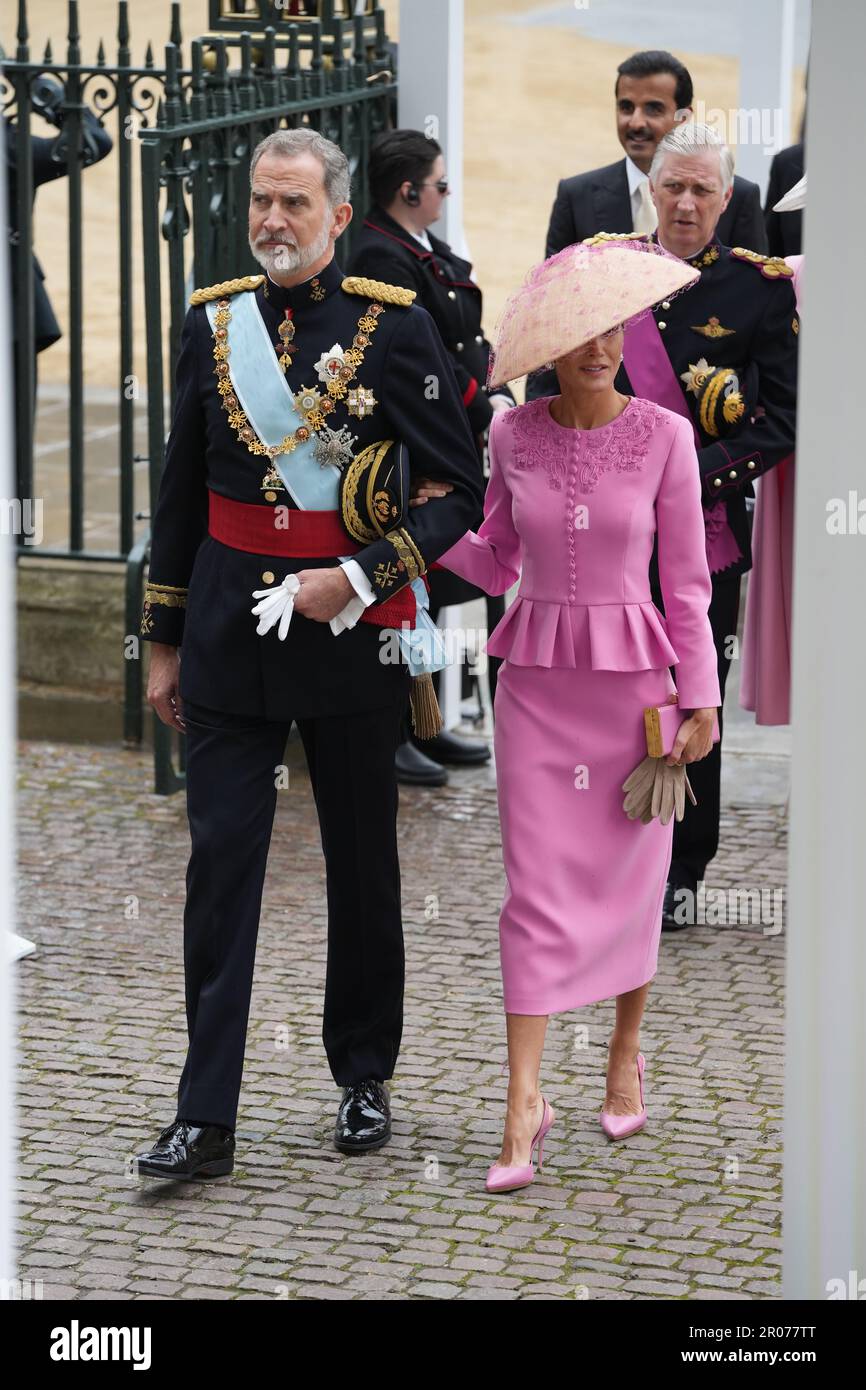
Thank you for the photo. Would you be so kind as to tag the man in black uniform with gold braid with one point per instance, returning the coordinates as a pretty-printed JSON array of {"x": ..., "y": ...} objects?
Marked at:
[{"x": 300, "y": 409}]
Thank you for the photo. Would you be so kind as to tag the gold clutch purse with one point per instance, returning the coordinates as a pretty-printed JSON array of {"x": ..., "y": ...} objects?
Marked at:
[
  {"x": 661, "y": 724},
  {"x": 656, "y": 787}
]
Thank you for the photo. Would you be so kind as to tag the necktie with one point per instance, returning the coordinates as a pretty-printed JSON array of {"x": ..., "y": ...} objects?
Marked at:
[{"x": 646, "y": 218}]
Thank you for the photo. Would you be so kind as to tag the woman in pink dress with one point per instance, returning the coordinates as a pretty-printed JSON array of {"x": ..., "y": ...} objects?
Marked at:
[{"x": 579, "y": 485}]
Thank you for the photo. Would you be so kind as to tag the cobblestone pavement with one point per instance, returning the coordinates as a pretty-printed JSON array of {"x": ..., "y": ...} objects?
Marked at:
[{"x": 688, "y": 1208}]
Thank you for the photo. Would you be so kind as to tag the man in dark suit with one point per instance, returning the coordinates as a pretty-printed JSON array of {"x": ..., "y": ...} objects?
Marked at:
[
  {"x": 653, "y": 94},
  {"x": 784, "y": 229},
  {"x": 284, "y": 382}
]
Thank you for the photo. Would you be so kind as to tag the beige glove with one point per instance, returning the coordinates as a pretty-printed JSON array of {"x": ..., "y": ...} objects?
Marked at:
[
  {"x": 639, "y": 788},
  {"x": 656, "y": 788}
]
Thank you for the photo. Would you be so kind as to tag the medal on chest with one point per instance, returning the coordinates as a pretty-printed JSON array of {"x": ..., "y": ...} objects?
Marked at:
[
  {"x": 285, "y": 346},
  {"x": 336, "y": 370}
]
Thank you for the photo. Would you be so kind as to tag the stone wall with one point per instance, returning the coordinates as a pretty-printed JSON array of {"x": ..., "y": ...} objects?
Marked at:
[{"x": 71, "y": 640}]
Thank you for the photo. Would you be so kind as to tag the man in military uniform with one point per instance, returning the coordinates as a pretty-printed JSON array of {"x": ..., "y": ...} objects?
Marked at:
[
  {"x": 300, "y": 408},
  {"x": 723, "y": 354},
  {"x": 654, "y": 94}
]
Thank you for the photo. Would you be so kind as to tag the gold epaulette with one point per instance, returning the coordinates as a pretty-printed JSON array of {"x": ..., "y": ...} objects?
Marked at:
[
  {"x": 243, "y": 282},
  {"x": 771, "y": 267},
  {"x": 378, "y": 289},
  {"x": 615, "y": 236}
]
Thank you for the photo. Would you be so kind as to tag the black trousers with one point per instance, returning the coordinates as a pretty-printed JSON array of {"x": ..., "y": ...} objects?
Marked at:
[
  {"x": 696, "y": 836},
  {"x": 231, "y": 773}
]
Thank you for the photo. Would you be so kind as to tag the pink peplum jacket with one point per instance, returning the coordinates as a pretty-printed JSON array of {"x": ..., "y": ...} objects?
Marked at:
[{"x": 573, "y": 514}]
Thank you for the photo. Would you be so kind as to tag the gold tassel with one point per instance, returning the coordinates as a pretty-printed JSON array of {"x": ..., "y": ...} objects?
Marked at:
[{"x": 426, "y": 715}]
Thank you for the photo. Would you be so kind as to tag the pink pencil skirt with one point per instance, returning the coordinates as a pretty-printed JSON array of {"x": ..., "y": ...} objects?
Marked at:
[{"x": 581, "y": 917}]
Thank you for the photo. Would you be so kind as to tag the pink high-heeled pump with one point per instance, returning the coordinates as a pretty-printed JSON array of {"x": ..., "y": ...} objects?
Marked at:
[
  {"x": 621, "y": 1126},
  {"x": 507, "y": 1177}
]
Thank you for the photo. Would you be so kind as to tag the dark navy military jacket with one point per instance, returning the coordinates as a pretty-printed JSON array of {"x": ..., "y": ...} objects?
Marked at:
[{"x": 199, "y": 593}]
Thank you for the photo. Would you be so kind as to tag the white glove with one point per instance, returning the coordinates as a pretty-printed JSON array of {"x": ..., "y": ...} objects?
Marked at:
[{"x": 276, "y": 604}]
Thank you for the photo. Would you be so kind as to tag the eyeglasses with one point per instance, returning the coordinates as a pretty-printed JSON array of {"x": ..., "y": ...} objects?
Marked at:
[{"x": 441, "y": 185}]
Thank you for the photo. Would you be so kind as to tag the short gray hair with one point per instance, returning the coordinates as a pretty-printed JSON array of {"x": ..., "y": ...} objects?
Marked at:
[
  {"x": 290, "y": 143},
  {"x": 693, "y": 138}
]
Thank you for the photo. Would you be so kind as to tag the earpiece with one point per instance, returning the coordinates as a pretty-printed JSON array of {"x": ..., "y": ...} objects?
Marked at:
[{"x": 413, "y": 197}]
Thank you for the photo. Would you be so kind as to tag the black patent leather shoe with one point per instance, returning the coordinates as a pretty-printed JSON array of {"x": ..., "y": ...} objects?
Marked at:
[
  {"x": 364, "y": 1118},
  {"x": 678, "y": 911},
  {"x": 414, "y": 768},
  {"x": 185, "y": 1151},
  {"x": 449, "y": 748}
]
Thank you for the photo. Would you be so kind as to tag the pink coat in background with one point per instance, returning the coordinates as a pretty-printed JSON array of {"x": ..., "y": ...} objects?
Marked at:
[{"x": 765, "y": 684}]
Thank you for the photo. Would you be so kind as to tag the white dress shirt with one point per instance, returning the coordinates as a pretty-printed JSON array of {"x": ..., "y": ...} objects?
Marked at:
[
  {"x": 364, "y": 596},
  {"x": 635, "y": 178},
  {"x": 638, "y": 187}
]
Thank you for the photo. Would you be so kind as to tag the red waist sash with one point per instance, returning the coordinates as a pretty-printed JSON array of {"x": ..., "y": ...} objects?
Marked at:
[{"x": 250, "y": 526}]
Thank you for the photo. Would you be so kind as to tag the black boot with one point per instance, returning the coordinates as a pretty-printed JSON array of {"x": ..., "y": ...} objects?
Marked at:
[
  {"x": 446, "y": 747},
  {"x": 185, "y": 1151},
  {"x": 364, "y": 1118},
  {"x": 679, "y": 911},
  {"x": 414, "y": 768}
]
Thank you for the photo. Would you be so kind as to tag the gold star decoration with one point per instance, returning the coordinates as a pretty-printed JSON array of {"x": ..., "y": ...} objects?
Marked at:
[{"x": 696, "y": 375}]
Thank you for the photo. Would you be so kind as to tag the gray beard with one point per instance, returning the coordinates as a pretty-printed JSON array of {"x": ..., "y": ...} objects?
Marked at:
[{"x": 285, "y": 260}]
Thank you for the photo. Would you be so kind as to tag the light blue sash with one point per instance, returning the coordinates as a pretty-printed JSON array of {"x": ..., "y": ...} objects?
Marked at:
[
  {"x": 423, "y": 646},
  {"x": 267, "y": 401}
]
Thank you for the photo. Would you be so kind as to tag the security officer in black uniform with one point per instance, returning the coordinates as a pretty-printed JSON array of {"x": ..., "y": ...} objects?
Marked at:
[
  {"x": 408, "y": 185},
  {"x": 49, "y": 159},
  {"x": 731, "y": 340},
  {"x": 234, "y": 522}
]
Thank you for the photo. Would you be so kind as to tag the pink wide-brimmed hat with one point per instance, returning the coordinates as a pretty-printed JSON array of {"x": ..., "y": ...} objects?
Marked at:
[{"x": 578, "y": 294}]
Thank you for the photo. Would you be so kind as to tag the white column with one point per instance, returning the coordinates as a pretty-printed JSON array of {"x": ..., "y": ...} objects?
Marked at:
[
  {"x": 766, "y": 72},
  {"x": 430, "y": 97},
  {"x": 451, "y": 680},
  {"x": 825, "y": 1057},
  {"x": 7, "y": 784}
]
